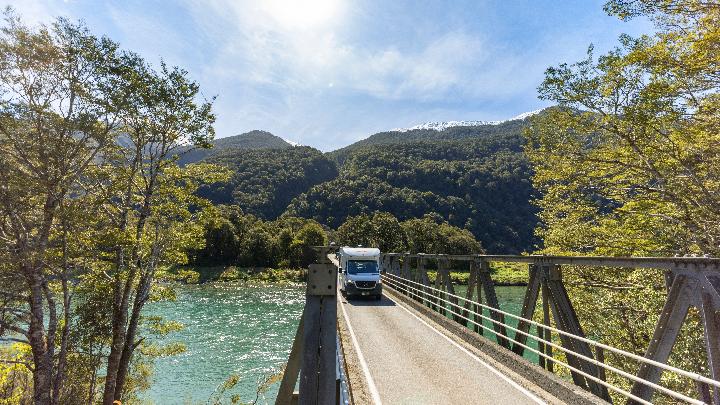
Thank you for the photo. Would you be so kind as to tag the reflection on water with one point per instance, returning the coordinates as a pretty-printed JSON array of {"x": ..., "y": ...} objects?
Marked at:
[{"x": 230, "y": 328}]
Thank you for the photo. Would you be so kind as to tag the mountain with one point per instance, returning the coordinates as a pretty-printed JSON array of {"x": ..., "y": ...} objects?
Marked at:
[
  {"x": 443, "y": 125},
  {"x": 481, "y": 183},
  {"x": 265, "y": 181},
  {"x": 472, "y": 175},
  {"x": 434, "y": 131},
  {"x": 248, "y": 141}
]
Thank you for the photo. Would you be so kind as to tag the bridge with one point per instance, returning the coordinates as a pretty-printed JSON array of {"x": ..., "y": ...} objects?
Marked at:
[{"x": 425, "y": 343}]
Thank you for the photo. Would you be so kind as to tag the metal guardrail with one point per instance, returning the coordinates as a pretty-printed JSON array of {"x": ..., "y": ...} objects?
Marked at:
[
  {"x": 691, "y": 282},
  {"x": 342, "y": 389}
]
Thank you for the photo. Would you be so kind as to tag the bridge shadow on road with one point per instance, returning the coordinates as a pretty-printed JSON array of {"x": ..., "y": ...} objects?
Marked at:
[{"x": 369, "y": 301}]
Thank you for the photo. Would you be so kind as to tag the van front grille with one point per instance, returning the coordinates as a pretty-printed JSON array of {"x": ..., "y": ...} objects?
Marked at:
[{"x": 365, "y": 284}]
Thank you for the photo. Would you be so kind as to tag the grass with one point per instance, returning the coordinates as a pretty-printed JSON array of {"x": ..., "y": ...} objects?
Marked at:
[{"x": 501, "y": 273}]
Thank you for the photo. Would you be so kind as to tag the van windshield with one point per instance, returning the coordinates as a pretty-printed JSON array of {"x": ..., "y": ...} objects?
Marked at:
[{"x": 362, "y": 266}]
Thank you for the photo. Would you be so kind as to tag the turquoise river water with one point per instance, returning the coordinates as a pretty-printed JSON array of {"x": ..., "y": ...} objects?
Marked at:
[{"x": 234, "y": 328}]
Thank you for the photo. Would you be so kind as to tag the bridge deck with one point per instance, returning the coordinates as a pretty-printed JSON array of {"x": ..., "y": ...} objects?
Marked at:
[{"x": 410, "y": 361}]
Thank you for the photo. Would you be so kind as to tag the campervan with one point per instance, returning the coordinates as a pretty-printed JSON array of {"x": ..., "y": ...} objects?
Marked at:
[{"x": 360, "y": 271}]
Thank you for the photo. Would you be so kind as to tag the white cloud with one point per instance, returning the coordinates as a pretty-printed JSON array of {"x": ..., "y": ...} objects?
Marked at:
[
  {"x": 260, "y": 48},
  {"x": 36, "y": 12}
]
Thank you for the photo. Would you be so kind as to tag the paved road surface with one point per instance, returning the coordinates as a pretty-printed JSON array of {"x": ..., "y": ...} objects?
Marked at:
[{"x": 410, "y": 362}]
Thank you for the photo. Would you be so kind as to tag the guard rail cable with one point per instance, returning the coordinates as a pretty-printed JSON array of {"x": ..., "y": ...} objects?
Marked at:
[{"x": 690, "y": 282}]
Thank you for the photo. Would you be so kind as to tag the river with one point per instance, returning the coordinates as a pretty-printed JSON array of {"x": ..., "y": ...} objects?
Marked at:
[{"x": 236, "y": 328}]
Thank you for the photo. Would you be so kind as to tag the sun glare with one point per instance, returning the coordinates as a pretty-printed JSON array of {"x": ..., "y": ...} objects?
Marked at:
[{"x": 302, "y": 14}]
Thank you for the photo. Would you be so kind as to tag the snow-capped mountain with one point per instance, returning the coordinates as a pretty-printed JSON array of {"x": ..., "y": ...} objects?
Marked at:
[
  {"x": 443, "y": 125},
  {"x": 293, "y": 143}
]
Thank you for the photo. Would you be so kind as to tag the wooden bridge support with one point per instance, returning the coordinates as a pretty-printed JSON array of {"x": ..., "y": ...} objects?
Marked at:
[
  {"x": 470, "y": 301},
  {"x": 406, "y": 268},
  {"x": 480, "y": 281},
  {"x": 488, "y": 286}
]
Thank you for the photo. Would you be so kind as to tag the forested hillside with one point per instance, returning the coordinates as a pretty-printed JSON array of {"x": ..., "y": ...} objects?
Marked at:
[
  {"x": 265, "y": 181},
  {"x": 473, "y": 177},
  {"x": 480, "y": 184},
  {"x": 452, "y": 133},
  {"x": 247, "y": 141}
]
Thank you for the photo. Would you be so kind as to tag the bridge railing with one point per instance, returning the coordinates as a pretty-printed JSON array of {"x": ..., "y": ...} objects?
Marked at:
[
  {"x": 316, "y": 356},
  {"x": 691, "y": 282}
]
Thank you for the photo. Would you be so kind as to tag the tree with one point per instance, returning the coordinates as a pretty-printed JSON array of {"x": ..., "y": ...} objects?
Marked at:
[
  {"x": 422, "y": 235},
  {"x": 311, "y": 234},
  {"x": 628, "y": 165},
  {"x": 58, "y": 114},
  {"x": 150, "y": 196},
  {"x": 258, "y": 248},
  {"x": 388, "y": 234},
  {"x": 456, "y": 241},
  {"x": 356, "y": 231}
]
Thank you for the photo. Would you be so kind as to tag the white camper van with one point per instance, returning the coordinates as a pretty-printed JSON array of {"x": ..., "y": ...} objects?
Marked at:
[{"x": 360, "y": 271}]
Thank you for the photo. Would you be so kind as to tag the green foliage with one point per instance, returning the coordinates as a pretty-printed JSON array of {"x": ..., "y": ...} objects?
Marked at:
[
  {"x": 235, "y": 238},
  {"x": 263, "y": 385},
  {"x": 509, "y": 273},
  {"x": 249, "y": 242},
  {"x": 15, "y": 377},
  {"x": 426, "y": 235},
  {"x": 247, "y": 141},
  {"x": 92, "y": 203},
  {"x": 480, "y": 182},
  {"x": 265, "y": 181},
  {"x": 474, "y": 178},
  {"x": 627, "y": 165}
]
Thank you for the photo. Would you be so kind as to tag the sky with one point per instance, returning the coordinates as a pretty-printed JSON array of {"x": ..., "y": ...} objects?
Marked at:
[{"x": 327, "y": 73}]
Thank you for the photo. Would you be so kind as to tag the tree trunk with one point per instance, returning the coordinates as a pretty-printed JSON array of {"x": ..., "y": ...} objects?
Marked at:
[
  {"x": 120, "y": 308},
  {"x": 62, "y": 356},
  {"x": 120, "y": 316},
  {"x": 42, "y": 357},
  {"x": 130, "y": 345}
]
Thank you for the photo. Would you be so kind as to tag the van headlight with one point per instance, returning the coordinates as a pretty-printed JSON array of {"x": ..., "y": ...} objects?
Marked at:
[
  {"x": 379, "y": 281},
  {"x": 351, "y": 282}
]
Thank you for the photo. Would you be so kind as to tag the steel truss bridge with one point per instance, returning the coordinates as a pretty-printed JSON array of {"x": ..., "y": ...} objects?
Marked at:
[{"x": 424, "y": 342}]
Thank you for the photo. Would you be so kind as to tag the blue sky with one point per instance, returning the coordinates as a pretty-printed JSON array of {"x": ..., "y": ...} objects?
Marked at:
[{"x": 327, "y": 73}]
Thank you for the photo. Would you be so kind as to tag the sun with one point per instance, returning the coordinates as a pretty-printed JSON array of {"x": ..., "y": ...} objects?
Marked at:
[{"x": 302, "y": 14}]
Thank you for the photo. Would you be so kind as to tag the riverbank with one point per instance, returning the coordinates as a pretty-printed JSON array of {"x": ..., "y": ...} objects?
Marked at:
[
  {"x": 205, "y": 274},
  {"x": 504, "y": 274}
]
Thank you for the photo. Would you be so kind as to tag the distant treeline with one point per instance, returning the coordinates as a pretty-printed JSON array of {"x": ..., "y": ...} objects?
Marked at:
[{"x": 235, "y": 238}]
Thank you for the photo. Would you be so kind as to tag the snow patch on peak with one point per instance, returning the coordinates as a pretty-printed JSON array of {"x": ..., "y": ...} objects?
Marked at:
[
  {"x": 291, "y": 142},
  {"x": 526, "y": 115},
  {"x": 443, "y": 125}
]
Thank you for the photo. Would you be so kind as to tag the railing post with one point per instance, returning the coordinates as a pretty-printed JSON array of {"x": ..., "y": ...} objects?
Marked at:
[
  {"x": 469, "y": 297},
  {"x": 489, "y": 286}
]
